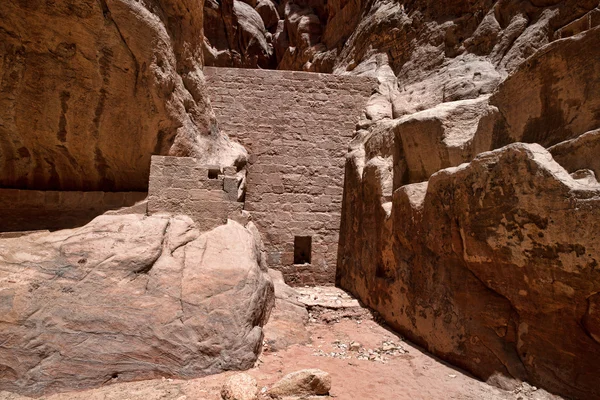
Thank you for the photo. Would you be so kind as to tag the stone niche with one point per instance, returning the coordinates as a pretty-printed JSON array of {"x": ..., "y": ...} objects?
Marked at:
[
  {"x": 208, "y": 194},
  {"x": 296, "y": 127}
]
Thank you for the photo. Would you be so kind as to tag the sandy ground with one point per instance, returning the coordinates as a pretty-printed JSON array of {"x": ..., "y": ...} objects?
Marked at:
[{"x": 366, "y": 362}]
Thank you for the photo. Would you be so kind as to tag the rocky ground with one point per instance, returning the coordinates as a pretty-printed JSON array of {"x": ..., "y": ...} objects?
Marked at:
[{"x": 364, "y": 359}]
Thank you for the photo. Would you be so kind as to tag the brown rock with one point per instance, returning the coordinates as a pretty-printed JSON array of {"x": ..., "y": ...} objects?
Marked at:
[
  {"x": 129, "y": 297},
  {"x": 307, "y": 382},
  {"x": 236, "y": 36},
  {"x": 83, "y": 105},
  {"x": 580, "y": 153},
  {"x": 240, "y": 387},
  {"x": 440, "y": 137},
  {"x": 268, "y": 12},
  {"x": 482, "y": 263},
  {"x": 551, "y": 98},
  {"x": 288, "y": 319}
]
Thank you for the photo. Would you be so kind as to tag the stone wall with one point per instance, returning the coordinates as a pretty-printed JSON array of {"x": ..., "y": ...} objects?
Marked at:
[
  {"x": 26, "y": 210},
  {"x": 297, "y": 127},
  {"x": 181, "y": 185}
]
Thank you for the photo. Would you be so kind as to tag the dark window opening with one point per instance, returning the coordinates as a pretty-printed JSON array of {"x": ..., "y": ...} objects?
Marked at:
[
  {"x": 302, "y": 249},
  {"x": 213, "y": 173}
]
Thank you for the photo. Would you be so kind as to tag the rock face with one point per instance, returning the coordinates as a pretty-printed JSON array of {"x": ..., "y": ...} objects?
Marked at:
[
  {"x": 469, "y": 42},
  {"x": 287, "y": 323},
  {"x": 479, "y": 248},
  {"x": 84, "y": 104},
  {"x": 493, "y": 266},
  {"x": 129, "y": 297}
]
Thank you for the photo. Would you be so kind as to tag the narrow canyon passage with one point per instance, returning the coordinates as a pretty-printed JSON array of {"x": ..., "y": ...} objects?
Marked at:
[{"x": 299, "y": 199}]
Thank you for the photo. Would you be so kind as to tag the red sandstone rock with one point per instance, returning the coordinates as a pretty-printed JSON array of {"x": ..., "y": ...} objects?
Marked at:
[
  {"x": 90, "y": 89},
  {"x": 129, "y": 297},
  {"x": 492, "y": 266},
  {"x": 484, "y": 263}
]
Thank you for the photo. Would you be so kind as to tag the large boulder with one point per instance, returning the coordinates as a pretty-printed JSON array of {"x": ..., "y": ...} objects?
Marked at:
[
  {"x": 492, "y": 265},
  {"x": 129, "y": 297},
  {"x": 89, "y": 90}
]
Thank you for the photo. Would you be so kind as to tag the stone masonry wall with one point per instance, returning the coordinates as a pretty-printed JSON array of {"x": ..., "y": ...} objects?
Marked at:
[
  {"x": 208, "y": 194},
  {"x": 27, "y": 210},
  {"x": 296, "y": 127}
]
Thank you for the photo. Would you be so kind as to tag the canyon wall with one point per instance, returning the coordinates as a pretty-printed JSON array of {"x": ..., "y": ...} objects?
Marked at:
[
  {"x": 90, "y": 89},
  {"x": 28, "y": 210},
  {"x": 469, "y": 211}
]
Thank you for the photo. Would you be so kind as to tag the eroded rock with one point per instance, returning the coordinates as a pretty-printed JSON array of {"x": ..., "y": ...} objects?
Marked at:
[
  {"x": 129, "y": 297},
  {"x": 550, "y": 98},
  {"x": 307, "y": 382},
  {"x": 85, "y": 104},
  {"x": 240, "y": 387},
  {"x": 486, "y": 261},
  {"x": 287, "y": 323}
]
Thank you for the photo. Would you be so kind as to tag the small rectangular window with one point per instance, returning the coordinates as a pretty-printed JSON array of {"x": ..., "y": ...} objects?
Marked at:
[
  {"x": 213, "y": 173},
  {"x": 302, "y": 249}
]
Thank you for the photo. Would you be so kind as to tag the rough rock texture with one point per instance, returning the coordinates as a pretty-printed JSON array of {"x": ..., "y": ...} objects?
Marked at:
[
  {"x": 491, "y": 265},
  {"x": 554, "y": 96},
  {"x": 307, "y": 382},
  {"x": 129, "y": 297},
  {"x": 580, "y": 153},
  {"x": 240, "y": 387},
  {"x": 469, "y": 44},
  {"x": 90, "y": 89},
  {"x": 287, "y": 323},
  {"x": 236, "y": 33}
]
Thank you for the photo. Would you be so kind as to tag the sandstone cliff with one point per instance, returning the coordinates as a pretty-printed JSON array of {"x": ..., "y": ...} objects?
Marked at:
[
  {"x": 487, "y": 259},
  {"x": 90, "y": 89}
]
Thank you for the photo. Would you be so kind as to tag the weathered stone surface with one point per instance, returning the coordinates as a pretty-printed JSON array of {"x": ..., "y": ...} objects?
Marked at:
[
  {"x": 307, "y": 382},
  {"x": 484, "y": 263},
  {"x": 129, "y": 297},
  {"x": 553, "y": 97},
  {"x": 240, "y": 387},
  {"x": 287, "y": 323},
  {"x": 580, "y": 153},
  {"x": 236, "y": 35},
  {"x": 491, "y": 265},
  {"x": 476, "y": 43},
  {"x": 443, "y": 136},
  {"x": 90, "y": 89}
]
